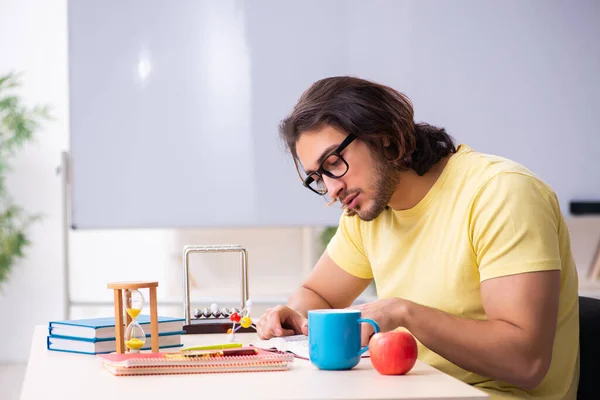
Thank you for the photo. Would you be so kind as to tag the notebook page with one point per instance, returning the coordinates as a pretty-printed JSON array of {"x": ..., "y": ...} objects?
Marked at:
[{"x": 296, "y": 344}]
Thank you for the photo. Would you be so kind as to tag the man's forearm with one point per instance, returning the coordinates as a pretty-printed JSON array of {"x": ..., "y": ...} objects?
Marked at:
[
  {"x": 495, "y": 349},
  {"x": 305, "y": 299}
]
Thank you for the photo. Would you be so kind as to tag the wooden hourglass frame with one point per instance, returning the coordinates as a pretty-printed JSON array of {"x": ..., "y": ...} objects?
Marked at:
[{"x": 120, "y": 290}]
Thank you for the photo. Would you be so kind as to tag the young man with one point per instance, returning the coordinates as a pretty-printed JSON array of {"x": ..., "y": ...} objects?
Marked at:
[{"x": 469, "y": 251}]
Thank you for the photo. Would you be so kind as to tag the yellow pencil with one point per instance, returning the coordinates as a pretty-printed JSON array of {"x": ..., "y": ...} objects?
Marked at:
[{"x": 215, "y": 347}]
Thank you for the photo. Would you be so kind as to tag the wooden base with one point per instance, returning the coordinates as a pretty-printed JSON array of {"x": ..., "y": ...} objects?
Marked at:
[{"x": 199, "y": 326}]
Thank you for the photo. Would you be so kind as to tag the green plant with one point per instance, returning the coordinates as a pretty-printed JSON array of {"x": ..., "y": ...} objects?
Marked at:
[
  {"x": 326, "y": 236},
  {"x": 18, "y": 124}
]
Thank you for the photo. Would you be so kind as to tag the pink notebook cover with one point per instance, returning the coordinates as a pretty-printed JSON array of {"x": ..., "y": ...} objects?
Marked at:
[{"x": 248, "y": 359}]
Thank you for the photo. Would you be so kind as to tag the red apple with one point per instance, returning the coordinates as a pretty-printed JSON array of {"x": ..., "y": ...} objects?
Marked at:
[{"x": 393, "y": 353}]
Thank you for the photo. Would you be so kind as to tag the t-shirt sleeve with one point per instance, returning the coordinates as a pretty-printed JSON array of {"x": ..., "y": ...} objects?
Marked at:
[
  {"x": 514, "y": 226},
  {"x": 346, "y": 248}
]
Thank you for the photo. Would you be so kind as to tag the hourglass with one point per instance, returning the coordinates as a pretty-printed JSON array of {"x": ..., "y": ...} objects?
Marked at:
[{"x": 134, "y": 336}]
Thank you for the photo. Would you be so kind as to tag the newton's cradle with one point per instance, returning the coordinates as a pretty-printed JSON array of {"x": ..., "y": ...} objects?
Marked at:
[{"x": 214, "y": 319}]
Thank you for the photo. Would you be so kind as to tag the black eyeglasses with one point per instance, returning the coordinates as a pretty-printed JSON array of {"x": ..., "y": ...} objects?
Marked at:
[{"x": 333, "y": 166}]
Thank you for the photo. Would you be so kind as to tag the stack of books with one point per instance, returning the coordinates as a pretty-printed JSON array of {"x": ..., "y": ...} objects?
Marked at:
[
  {"x": 97, "y": 335},
  {"x": 245, "y": 359}
]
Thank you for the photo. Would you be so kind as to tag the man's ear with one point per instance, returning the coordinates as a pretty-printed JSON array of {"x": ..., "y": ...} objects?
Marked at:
[{"x": 391, "y": 154}]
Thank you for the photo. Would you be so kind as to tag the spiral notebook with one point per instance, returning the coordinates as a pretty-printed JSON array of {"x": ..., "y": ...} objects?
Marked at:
[{"x": 245, "y": 359}]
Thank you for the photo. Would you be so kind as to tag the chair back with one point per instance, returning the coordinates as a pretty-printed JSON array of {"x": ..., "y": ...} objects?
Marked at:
[{"x": 589, "y": 348}]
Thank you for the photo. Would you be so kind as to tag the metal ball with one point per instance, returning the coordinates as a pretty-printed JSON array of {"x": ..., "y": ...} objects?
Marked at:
[
  {"x": 214, "y": 308},
  {"x": 216, "y": 313},
  {"x": 225, "y": 312},
  {"x": 206, "y": 312},
  {"x": 234, "y": 310},
  {"x": 197, "y": 313}
]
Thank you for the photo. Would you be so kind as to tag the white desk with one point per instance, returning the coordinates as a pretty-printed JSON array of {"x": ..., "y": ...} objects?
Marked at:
[{"x": 66, "y": 376}]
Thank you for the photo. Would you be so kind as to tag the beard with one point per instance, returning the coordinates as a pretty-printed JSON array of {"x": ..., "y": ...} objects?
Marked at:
[{"x": 386, "y": 179}]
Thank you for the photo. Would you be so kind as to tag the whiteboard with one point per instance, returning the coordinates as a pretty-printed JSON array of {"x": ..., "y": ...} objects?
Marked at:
[{"x": 175, "y": 105}]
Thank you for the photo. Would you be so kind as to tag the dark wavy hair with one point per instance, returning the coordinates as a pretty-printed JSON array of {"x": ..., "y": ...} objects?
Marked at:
[{"x": 377, "y": 114}]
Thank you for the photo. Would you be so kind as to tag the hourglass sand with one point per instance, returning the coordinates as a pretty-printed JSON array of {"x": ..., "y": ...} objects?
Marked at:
[{"x": 134, "y": 336}]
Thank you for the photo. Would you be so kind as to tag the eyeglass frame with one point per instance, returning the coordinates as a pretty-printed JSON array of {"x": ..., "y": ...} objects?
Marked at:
[{"x": 320, "y": 171}]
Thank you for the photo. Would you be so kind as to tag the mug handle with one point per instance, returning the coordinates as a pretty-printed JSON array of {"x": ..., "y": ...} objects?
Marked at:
[{"x": 375, "y": 327}]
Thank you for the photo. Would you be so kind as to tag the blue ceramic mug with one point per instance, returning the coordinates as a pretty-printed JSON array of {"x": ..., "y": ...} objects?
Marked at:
[{"x": 334, "y": 338}]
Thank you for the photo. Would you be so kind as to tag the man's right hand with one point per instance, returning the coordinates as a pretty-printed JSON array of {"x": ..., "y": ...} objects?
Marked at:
[{"x": 281, "y": 321}]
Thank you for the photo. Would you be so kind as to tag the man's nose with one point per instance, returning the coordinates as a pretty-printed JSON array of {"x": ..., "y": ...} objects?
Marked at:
[{"x": 334, "y": 186}]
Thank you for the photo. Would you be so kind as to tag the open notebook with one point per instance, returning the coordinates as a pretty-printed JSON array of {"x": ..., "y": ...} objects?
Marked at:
[{"x": 295, "y": 344}]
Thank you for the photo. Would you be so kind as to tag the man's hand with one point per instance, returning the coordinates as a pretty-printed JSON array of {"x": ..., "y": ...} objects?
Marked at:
[
  {"x": 387, "y": 313},
  {"x": 281, "y": 321}
]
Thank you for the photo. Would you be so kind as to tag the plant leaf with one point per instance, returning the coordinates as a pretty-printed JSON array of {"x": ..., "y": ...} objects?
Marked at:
[{"x": 18, "y": 125}]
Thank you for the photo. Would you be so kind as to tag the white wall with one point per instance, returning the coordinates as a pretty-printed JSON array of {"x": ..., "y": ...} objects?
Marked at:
[
  {"x": 277, "y": 262},
  {"x": 33, "y": 39}
]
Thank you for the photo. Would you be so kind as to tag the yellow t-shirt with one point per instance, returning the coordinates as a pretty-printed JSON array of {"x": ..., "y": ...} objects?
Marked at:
[{"x": 485, "y": 217}]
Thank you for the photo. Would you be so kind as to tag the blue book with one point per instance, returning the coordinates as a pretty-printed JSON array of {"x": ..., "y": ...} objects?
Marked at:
[
  {"x": 103, "y": 346},
  {"x": 104, "y": 328}
]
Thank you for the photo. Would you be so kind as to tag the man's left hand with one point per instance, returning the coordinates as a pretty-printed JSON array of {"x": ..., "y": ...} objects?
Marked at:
[{"x": 388, "y": 313}]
